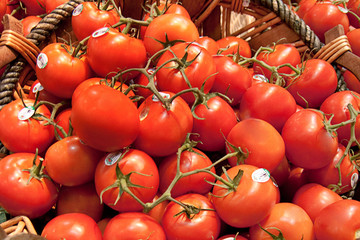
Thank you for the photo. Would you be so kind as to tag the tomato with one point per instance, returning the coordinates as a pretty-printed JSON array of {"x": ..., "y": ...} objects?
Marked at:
[
  {"x": 353, "y": 6},
  {"x": 88, "y": 17},
  {"x": 163, "y": 131},
  {"x": 351, "y": 81},
  {"x": 231, "y": 79},
  {"x": 21, "y": 195},
  {"x": 103, "y": 223},
  {"x": 262, "y": 101},
  {"x": 216, "y": 119},
  {"x": 203, "y": 224},
  {"x": 189, "y": 161},
  {"x": 232, "y": 237},
  {"x": 323, "y": 16},
  {"x": 77, "y": 226},
  {"x": 282, "y": 172},
  {"x": 353, "y": 38},
  {"x": 133, "y": 225},
  {"x": 336, "y": 106},
  {"x": 169, "y": 27},
  {"x": 157, "y": 212},
  {"x": 297, "y": 178},
  {"x": 304, "y": 6},
  {"x": 116, "y": 124},
  {"x": 251, "y": 199},
  {"x": 313, "y": 197},
  {"x": 20, "y": 131},
  {"x": 209, "y": 44},
  {"x": 198, "y": 66},
  {"x": 232, "y": 45},
  {"x": 70, "y": 153},
  {"x": 328, "y": 176},
  {"x": 277, "y": 56},
  {"x": 122, "y": 52},
  {"x": 290, "y": 219},
  {"x": 80, "y": 199},
  {"x": 136, "y": 168},
  {"x": 34, "y": 7},
  {"x": 52, "y": 62},
  {"x": 307, "y": 142},
  {"x": 143, "y": 80},
  {"x": 346, "y": 212},
  {"x": 63, "y": 120},
  {"x": 258, "y": 140},
  {"x": 37, "y": 90},
  {"x": 28, "y": 23},
  {"x": 50, "y": 5}
]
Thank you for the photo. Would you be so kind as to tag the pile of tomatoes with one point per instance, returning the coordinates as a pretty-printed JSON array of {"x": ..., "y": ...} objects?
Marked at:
[{"x": 161, "y": 133}]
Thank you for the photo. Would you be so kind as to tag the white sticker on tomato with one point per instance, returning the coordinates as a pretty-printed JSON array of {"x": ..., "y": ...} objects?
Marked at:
[
  {"x": 37, "y": 88},
  {"x": 112, "y": 158},
  {"x": 164, "y": 95},
  {"x": 42, "y": 60},
  {"x": 78, "y": 10},
  {"x": 260, "y": 77},
  {"x": 26, "y": 113},
  {"x": 246, "y": 3},
  {"x": 343, "y": 10},
  {"x": 260, "y": 175},
  {"x": 100, "y": 32},
  {"x": 354, "y": 179}
]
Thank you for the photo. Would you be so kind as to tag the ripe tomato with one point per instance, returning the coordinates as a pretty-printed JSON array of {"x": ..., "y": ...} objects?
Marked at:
[
  {"x": 209, "y": 44},
  {"x": 37, "y": 90},
  {"x": 295, "y": 180},
  {"x": 71, "y": 153},
  {"x": 34, "y": 7},
  {"x": 203, "y": 224},
  {"x": 163, "y": 131},
  {"x": 63, "y": 120},
  {"x": 157, "y": 212},
  {"x": 353, "y": 6},
  {"x": 122, "y": 52},
  {"x": 217, "y": 118},
  {"x": 282, "y": 172},
  {"x": 51, "y": 64},
  {"x": 290, "y": 219},
  {"x": 351, "y": 81},
  {"x": 169, "y": 27},
  {"x": 307, "y": 142},
  {"x": 313, "y": 197},
  {"x": 353, "y": 38},
  {"x": 20, "y": 131},
  {"x": 304, "y": 6},
  {"x": 231, "y": 79},
  {"x": 21, "y": 195},
  {"x": 232, "y": 45},
  {"x": 80, "y": 199},
  {"x": 143, "y": 80},
  {"x": 232, "y": 237},
  {"x": 104, "y": 118},
  {"x": 200, "y": 73},
  {"x": 189, "y": 161},
  {"x": 136, "y": 168},
  {"x": 250, "y": 201},
  {"x": 133, "y": 225},
  {"x": 258, "y": 140},
  {"x": 72, "y": 226},
  {"x": 50, "y": 5},
  {"x": 346, "y": 212},
  {"x": 28, "y": 23},
  {"x": 88, "y": 17},
  {"x": 262, "y": 101}
]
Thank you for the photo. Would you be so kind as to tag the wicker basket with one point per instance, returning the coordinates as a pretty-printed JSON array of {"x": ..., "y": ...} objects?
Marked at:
[{"x": 19, "y": 227}]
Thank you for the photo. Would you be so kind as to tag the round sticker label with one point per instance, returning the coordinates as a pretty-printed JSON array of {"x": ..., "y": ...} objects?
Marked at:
[
  {"x": 26, "y": 113},
  {"x": 100, "y": 32},
  {"x": 78, "y": 10},
  {"x": 42, "y": 60},
  {"x": 37, "y": 88},
  {"x": 354, "y": 179},
  {"x": 164, "y": 95},
  {"x": 260, "y": 175},
  {"x": 260, "y": 77},
  {"x": 112, "y": 158}
]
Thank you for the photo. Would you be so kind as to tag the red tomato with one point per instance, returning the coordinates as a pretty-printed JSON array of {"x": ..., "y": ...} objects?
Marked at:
[
  {"x": 28, "y": 23},
  {"x": 34, "y": 7},
  {"x": 118, "y": 56},
  {"x": 50, "y": 5},
  {"x": 51, "y": 64},
  {"x": 103, "y": 223},
  {"x": 209, "y": 44},
  {"x": 232, "y": 237},
  {"x": 231, "y": 78},
  {"x": 217, "y": 118},
  {"x": 136, "y": 168},
  {"x": 351, "y": 81},
  {"x": 37, "y": 90},
  {"x": 232, "y": 45},
  {"x": 158, "y": 211},
  {"x": 313, "y": 197},
  {"x": 279, "y": 55},
  {"x": 189, "y": 161},
  {"x": 291, "y": 220},
  {"x": 133, "y": 225},
  {"x": 323, "y": 16},
  {"x": 71, "y": 153},
  {"x": 353, "y": 38},
  {"x": 104, "y": 118},
  {"x": 63, "y": 120},
  {"x": 346, "y": 212},
  {"x": 307, "y": 142},
  {"x": 77, "y": 226},
  {"x": 87, "y": 17},
  {"x": 282, "y": 172},
  {"x": 143, "y": 80},
  {"x": 21, "y": 195},
  {"x": 171, "y": 126},
  {"x": 304, "y": 6},
  {"x": 169, "y": 27},
  {"x": 258, "y": 140},
  {"x": 200, "y": 73},
  {"x": 203, "y": 224},
  {"x": 80, "y": 199},
  {"x": 251, "y": 199},
  {"x": 296, "y": 179},
  {"x": 262, "y": 101},
  {"x": 20, "y": 131},
  {"x": 353, "y": 6}
]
